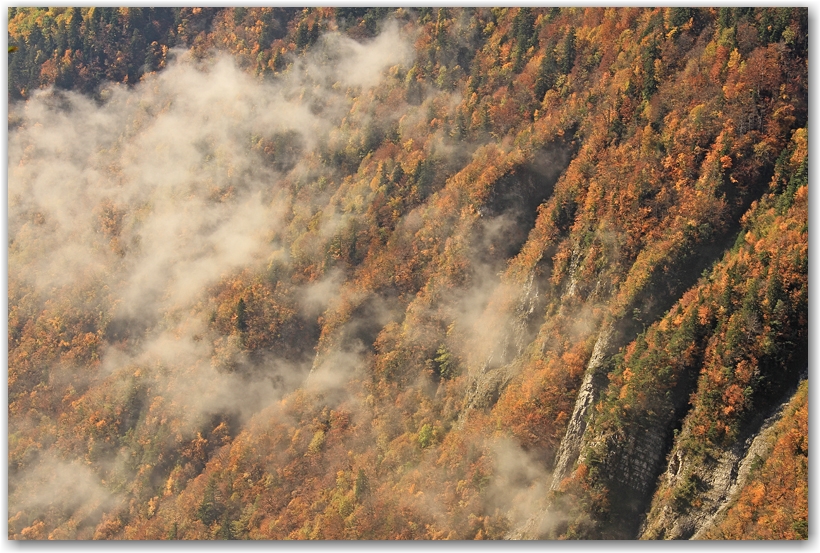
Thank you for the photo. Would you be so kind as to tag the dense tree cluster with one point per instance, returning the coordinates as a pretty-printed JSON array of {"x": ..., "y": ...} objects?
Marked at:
[{"x": 452, "y": 249}]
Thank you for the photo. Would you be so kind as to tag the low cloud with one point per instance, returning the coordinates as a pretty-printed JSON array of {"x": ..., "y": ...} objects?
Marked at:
[
  {"x": 70, "y": 486},
  {"x": 519, "y": 482}
]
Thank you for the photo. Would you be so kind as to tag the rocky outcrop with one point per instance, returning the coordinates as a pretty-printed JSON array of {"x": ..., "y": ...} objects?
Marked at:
[
  {"x": 759, "y": 449},
  {"x": 546, "y": 518},
  {"x": 717, "y": 485},
  {"x": 503, "y": 362},
  {"x": 488, "y": 387},
  {"x": 593, "y": 383},
  {"x": 639, "y": 460}
]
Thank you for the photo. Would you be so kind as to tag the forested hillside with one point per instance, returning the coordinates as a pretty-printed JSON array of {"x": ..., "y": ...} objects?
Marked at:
[{"x": 380, "y": 273}]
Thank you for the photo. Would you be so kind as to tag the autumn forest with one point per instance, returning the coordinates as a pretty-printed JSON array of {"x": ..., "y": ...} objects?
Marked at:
[{"x": 407, "y": 273}]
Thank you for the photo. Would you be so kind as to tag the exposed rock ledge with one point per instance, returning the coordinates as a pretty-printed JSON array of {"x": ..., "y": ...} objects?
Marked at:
[
  {"x": 722, "y": 484},
  {"x": 570, "y": 446}
]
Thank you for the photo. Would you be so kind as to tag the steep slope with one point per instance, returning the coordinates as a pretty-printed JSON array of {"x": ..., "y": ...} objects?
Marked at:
[
  {"x": 776, "y": 466},
  {"x": 400, "y": 274},
  {"x": 701, "y": 379}
]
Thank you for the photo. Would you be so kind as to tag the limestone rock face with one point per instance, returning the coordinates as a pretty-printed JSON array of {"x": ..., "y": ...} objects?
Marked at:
[
  {"x": 717, "y": 483},
  {"x": 501, "y": 363},
  {"x": 590, "y": 388},
  {"x": 638, "y": 461}
]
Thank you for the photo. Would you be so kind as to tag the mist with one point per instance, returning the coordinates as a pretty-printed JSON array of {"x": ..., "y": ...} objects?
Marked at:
[
  {"x": 138, "y": 202},
  {"x": 142, "y": 204},
  {"x": 161, "y": 190}
]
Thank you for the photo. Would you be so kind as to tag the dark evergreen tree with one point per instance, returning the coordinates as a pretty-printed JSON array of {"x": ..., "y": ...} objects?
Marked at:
[
  {"x": 209, "y": 509},
  {"x": 302, "y": 35},
  {"x": 74, "y": 23},
  {"x": 679, "y": 16},
  {"x": 568, "y": 51},
  {"x": 241, "y": 316},
  {"x": 547, "y": 71},
  {"x": 136, "y": 53}
]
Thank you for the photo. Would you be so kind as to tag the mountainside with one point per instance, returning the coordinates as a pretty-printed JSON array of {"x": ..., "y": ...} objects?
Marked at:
[{"x": 378, "y": 273}]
